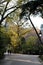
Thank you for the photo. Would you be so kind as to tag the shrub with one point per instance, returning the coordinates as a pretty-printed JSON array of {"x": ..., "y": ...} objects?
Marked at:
[
  {"x": 4, "y": 40},
  {"x": 41, "y": 57},
  {"x": 32, "y": 45}
]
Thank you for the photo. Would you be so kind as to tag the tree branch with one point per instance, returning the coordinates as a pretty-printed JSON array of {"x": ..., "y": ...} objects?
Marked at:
[
  {"x": 11, "y": 12},
  {"x": 10, "y": 8},
  {"x": 5, "y": 9},
  {"x": 2, "y": 2}
]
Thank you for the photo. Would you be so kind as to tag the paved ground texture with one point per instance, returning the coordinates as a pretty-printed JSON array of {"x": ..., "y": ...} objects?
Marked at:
[{"x": 19, "y": 59}]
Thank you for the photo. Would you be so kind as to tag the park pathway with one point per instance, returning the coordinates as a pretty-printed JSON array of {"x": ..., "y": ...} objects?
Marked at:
[{"x": 20, "y": 59}]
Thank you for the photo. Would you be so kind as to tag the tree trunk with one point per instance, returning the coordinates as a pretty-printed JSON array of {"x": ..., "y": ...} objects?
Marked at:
[
  {"x": 0, "y": 23},
  {"x": 35, "y": 30}
]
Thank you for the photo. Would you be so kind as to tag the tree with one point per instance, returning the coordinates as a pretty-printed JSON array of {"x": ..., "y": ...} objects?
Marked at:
[
  {"x": 5, "y": 10},
  {"x": 32, "y": 45},
  {"x": 16, "y": 35},
  {"x": 28, "y": 9},
  {"x": 32, "y": 7},
  {"x": 14, "y": 20},
  {"x": 4, "y": 41}
]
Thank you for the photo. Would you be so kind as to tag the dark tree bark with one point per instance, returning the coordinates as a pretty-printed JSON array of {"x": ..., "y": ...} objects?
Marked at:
[{"x": 35, "y": 30}]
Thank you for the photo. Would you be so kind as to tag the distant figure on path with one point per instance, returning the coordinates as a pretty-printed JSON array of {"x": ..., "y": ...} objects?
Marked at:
[{"x": 9, "y": 51}]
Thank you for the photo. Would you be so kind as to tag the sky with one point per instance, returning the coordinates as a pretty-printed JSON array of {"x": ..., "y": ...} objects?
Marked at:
[{"x": 37, "y": 21}]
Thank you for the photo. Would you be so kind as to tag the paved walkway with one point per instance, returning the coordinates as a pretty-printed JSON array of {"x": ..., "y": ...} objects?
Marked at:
[{"x": 19, "y": 59}]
